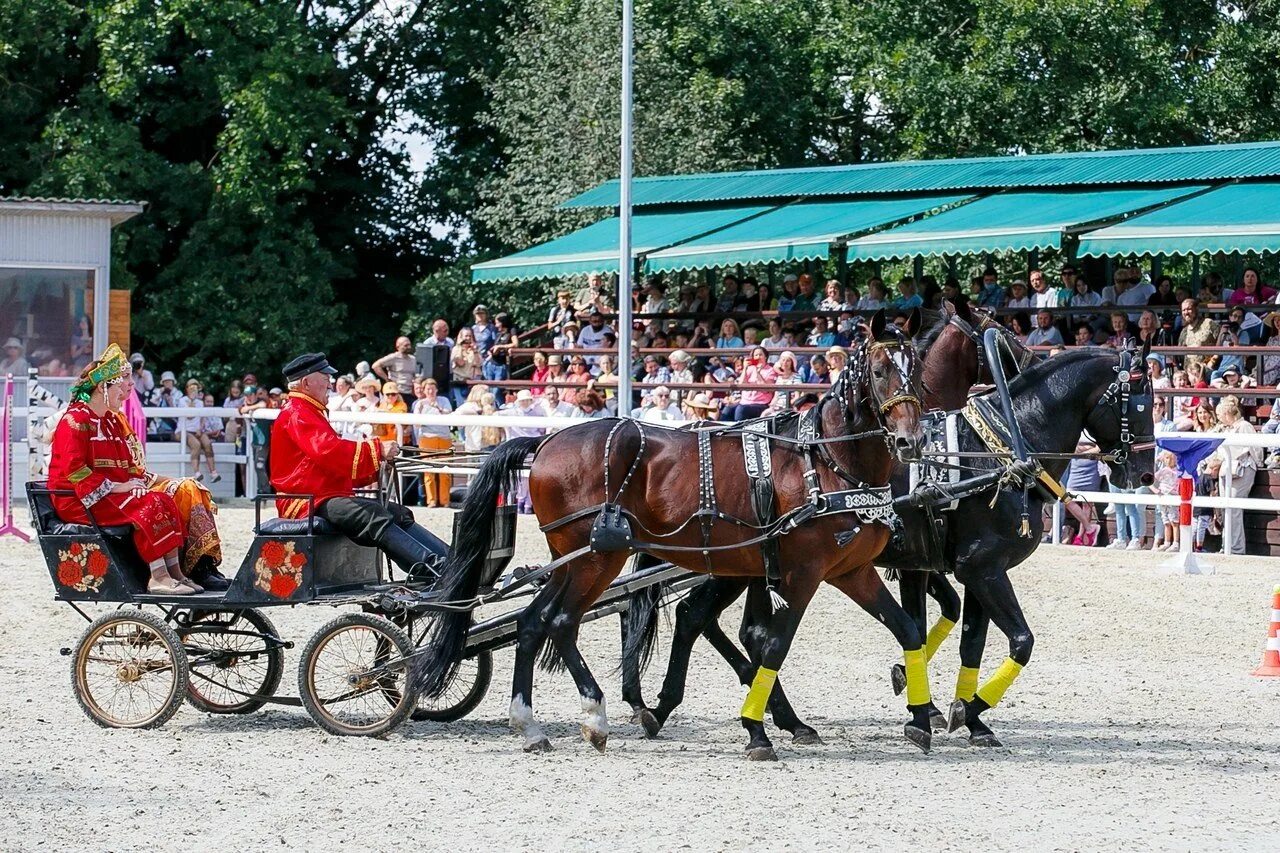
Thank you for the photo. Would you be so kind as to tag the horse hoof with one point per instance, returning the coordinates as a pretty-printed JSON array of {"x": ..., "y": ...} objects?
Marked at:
[
  {"x": 805, "y": 736},
  {"x": 648, "y": 722},
  {"x": 898, "y": 676},
  {"x": 761, "y": 753},
  {"x": 956, "y": 715},
  {"x": 596, "y": 738},
  {"x": 919, "y": 737},
  {"x": 542, "y": 745},
  {"x": 985, "y": 739},
  {"x": 938, "y": 720}
]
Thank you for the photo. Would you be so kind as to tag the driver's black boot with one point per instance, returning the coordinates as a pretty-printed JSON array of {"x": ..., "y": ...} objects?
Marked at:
[
  {"x": 413, "y": 558},
  {"x": 428, "y": 540}
]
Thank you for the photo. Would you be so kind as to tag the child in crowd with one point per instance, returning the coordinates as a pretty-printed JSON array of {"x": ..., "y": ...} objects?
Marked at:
[{"x": 1166, "y": 483}]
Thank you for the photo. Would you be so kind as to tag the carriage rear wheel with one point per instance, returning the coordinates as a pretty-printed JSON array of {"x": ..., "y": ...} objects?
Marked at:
[
  {"x": 354, "y": 676},
  {"x": 236, "y": 660},
  {"x": 129, "y": 670},
  {"x": 463, "y": 694}
]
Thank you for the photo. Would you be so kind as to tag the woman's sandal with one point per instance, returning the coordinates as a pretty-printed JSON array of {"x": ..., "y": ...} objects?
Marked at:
[{"x": 168, "y": 586}]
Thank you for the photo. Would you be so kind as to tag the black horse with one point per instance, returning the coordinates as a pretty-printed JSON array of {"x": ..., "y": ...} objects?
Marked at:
[{"x": 1054, "y": 401}]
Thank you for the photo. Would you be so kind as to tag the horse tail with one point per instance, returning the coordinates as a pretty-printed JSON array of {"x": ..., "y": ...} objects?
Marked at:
[
  {"x": 446, "y": 643},
  {"x": 642, "y": 619}
]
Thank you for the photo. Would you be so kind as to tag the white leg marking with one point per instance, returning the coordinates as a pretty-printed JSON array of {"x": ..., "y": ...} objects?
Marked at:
[
  {"x": 596, "y": 718},
  {"x": 523, "y": 722}
]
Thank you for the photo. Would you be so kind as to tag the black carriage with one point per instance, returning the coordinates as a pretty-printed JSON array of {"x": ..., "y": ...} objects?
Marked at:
[{"x": 219, "y": 651}]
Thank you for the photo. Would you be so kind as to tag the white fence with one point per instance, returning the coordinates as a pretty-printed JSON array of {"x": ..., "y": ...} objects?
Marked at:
[{"x": 171, "y": 458}]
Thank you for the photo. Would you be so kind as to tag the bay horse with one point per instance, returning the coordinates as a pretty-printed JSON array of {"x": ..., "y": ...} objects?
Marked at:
[
  {"x": 1054, "y": 401},
  {"x": 953, "y": 362},
  {"x": 600, "y": 489}
]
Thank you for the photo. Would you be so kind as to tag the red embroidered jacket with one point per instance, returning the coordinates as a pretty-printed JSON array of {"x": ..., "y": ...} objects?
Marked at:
[{"x": 308, "y": 457}]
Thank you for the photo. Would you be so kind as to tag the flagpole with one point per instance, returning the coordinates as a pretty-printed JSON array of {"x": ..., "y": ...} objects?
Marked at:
[{"x": 624, "y": 226}]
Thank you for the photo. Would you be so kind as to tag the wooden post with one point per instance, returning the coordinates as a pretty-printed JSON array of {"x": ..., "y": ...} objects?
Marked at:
[{"x": 119, "y": 322}]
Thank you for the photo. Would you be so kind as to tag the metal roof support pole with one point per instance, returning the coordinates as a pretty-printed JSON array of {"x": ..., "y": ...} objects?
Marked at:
[
  {"x": 951, "y": 271},
  {"x": 1195, "y": 273},
  {"x": 842, "y": 265},
  {"x": 624, "y": 218},
  {"x": 1033, "y": 261},
  {"x": 1108, "y": 271},
  {"x": 1238, "y": 261},
  {"x": 917, "y": 268},
  {"x": 1157, "y": 267}
]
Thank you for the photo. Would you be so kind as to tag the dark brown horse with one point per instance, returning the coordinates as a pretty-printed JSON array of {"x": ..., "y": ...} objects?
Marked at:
[
  {"x": 685, "y": 496},
  {"x": 953, "y": 363}
]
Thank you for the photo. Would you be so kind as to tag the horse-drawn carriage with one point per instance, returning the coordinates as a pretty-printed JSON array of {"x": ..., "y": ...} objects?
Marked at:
[{"x": 220, "y": 652}]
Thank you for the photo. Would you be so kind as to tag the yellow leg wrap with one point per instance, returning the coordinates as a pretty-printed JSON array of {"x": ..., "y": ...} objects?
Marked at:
[
  {"x": 937, "y": 635},
  {"x": 917, "y": 677},
  {"x": 993, "y": 691},
  {"x": 758, "y": 695},
  {"x": 967, "y": 682}
]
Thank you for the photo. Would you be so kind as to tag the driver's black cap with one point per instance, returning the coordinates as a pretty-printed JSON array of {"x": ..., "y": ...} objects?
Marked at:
[{"x": 306, "y": 364}]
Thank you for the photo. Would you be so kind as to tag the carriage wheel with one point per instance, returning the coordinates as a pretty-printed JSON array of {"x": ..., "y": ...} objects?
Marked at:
[
  {"x": 463, "y": 694},
  {"x": 353, "y": 676},
  {"x": 129, "y": 670},
  {"x": 236, "y": 660}
]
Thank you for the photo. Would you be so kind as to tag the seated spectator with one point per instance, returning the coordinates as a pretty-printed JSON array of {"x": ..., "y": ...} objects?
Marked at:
[
  {"x": 730, "y": 336},
  {"x": 554, "y": 406},
  {"x": 700, "y": 407},
  {"x": 679, "y": 373},
  {"x": 1155, "y": 371},
  {"x": 1020, "y": 324},
  {"x": 775, "y": 342},
  {"x": 907, "y": 297},
  {"x": 764, "y": 297},
  {"x": 658, "y": 408},
  {"x": 786, "y": 372},
  {"x": 728, "y": 299},
  {"x": 1045, "y": 333},
  {"x": 398, "y": 367},
  {"x": 1137, "y": 292},
  {"x": 167, "y": 396},
  {"x": 876, "y": 296},
  {"x": 363, "y": 371},
  {"x": 590, "y": 405},
  {"x": 561, "y": 313},
  {"x": 1166, "y": 336},
  {"x": 555, "y": 369},
  {"x": 1184, "y": 406},
  {"x": 1042, "y": 295},
  {"x": 234, "y": 399},
  {"x": 807, "y": 298},
  {"x": 992, "y": 295},
  {"x": 790, "y": 289},
  {"x": 1232, "y": 379},
  {"x": 568, "y": 336},
  {"x": 1083, "y": 336},
  {"x": 368, "y": 401},
  {"x": 1203, "y": 418},
  {"x": 1018, "y": 295},
  {"x": 1120, "y": 336},
  {"x": 837, "y": 359},
  {"x": 540, "y": 371},
  {"x": 1164, "y": 295},
  {"x": 750, "y": 337},
  {"x": 606, "y": 381},
  {"x": 1160, "y": 416},
  {"x": 578, "y": 376},
  {"x": 1197, "y": 331},
  {"x": 821, "y": 336},
  {"x": 701, "y": 303},
  {"x": 819, "y": 373},
  {"x": 596, "y": 335},
  {"x": 1251, "y": 290},
  {"x": 1148, "y": 328},
  {"x": 1081, "y": 296},
  {"x": 656, "y": 303},
  {"x": 833, "y": 298},
  {"x": 751, "y": 403}
]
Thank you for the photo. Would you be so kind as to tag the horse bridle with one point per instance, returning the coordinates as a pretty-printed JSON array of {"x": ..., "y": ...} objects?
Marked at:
[
  {"x": 1018, "y": 352},
  {"x": 1117, "y": 398}
]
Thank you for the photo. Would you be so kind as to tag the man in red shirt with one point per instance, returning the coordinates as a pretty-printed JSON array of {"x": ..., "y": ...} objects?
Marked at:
[{"x": 309, "y": 458}]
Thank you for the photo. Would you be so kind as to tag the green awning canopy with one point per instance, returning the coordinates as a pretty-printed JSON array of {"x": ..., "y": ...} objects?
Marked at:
[
  {"x": 794, "y": 232},
  {"x": 1008, "y": 222},
  {"x": 1237, "y": 218},
  {"x": 595, "y": 248}
]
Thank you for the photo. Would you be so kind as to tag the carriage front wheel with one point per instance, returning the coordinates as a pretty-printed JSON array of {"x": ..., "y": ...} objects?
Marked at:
[
  {"x": 236, "y": 659},
  {"x": 129, "y": 670},
  {"x": 353, "y": 677},
  {"x": 462, "y": 695}
]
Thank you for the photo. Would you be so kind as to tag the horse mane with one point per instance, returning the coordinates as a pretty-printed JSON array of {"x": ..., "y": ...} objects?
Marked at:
[
  {"x": 1035, "y": 372},
  {"x": 930, "y": 337}
]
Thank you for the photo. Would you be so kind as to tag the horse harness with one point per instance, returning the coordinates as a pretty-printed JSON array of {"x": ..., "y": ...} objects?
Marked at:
[{"x": 612, "y": 529}]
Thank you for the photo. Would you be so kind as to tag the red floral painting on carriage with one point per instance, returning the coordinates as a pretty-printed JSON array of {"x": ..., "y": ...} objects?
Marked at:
[
  {"x": 279, "y": 568},
  {"x": 82, "y": 567}
]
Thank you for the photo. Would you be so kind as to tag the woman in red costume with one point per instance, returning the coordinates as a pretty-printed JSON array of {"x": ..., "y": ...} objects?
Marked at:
[{"x": 92, "y": 457}]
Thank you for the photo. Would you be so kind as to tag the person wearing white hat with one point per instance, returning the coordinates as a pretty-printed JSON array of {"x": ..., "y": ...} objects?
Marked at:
[
  {"x": 14, "y": 360},
  {"x": 680, "y": 373}
]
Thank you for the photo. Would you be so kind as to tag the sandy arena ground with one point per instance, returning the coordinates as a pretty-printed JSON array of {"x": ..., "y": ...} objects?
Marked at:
[{"x": 1137, "y": 726}]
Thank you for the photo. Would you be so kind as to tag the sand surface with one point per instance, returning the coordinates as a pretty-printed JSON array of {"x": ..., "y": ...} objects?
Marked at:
[{"x": 1136, "y": 726}]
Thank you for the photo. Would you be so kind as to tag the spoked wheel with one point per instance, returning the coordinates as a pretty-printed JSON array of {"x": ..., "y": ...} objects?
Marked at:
[
  {"x": 463, "y": 694},
  {"x": 353, "y": 677},
  {"x": 236, "y": 660},
  {"x": 129, "y": 670}
]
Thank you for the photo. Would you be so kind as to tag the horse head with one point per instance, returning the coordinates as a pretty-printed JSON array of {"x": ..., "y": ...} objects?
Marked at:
[
  {"x": 884, "y": 374},
  {"x": 1121, "y": 421}
]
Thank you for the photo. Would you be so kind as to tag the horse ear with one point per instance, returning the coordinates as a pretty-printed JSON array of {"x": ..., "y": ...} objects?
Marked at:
[
  {"x": 949, "y": 309},
  {"x": 877, "y": 325},
  {"x": 914, "y": 322}
]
